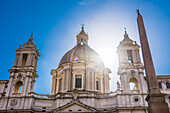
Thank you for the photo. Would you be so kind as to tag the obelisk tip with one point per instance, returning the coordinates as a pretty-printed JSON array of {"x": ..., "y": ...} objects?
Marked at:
[{"x": 137, "y": 10}]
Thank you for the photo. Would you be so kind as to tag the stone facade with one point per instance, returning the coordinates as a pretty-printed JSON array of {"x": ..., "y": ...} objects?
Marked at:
[{"x": 80, "y": 83}]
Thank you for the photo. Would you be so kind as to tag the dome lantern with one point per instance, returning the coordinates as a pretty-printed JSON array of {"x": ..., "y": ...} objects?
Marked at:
[{"x": 82, "y": 37}]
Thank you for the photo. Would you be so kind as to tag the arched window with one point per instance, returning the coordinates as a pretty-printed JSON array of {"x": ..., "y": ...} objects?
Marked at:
[
  {"x": 18, "y": 87},
  {"x": 133, "y": 84},
  {"x": 160, "y": 85},
  {"x": 167, "y": 85}
]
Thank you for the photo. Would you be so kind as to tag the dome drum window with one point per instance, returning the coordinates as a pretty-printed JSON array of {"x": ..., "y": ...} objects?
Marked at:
[
  {"x": 78, "y": 81},
  {"x": 78, "y": 76},
  {"x": 98, "y": 84}
]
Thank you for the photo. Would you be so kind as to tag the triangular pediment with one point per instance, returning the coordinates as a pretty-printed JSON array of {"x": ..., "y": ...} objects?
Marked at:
[{"x": 76, "y": 106}]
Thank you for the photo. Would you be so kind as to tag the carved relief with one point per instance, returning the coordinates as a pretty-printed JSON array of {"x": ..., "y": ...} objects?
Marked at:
[
  {"x": 13, "y": 102},
  {"x": 133, "y": 73}
]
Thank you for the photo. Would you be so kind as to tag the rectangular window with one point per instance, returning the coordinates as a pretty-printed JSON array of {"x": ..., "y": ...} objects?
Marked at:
[
  {"x": 24, "y": 59},
  {"x": 60, "y": 85},
  {"x": 97, "y": 84},
  {"x": 129, "y": 54},
  {"x": 78, "y": 81},
  {"x": 81, "y": 41}
]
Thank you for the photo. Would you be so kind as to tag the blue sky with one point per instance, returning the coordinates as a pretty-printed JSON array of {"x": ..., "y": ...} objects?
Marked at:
[{"x": 55, "y": 24}]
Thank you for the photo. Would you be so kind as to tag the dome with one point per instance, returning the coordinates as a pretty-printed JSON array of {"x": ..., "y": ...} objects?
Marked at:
[{"x": 82, "y": 53}]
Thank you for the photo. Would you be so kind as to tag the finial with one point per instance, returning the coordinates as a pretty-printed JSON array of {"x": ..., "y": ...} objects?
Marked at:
[
  {"x": 82, "y": 27},
  {"x": 125, "y": 35},
  {"x": 137, "y": 10},
  {"x": 125, "y": 30},
  {"x": 31, "y": 38},
  {"x": 31, "y": 33}
]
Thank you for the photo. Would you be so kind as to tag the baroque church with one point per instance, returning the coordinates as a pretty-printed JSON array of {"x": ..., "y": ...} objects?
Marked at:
[{"x": 80, "y": 83}]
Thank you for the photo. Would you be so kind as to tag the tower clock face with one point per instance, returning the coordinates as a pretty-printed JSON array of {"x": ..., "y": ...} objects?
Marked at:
[{"x": 13, "y": 102}]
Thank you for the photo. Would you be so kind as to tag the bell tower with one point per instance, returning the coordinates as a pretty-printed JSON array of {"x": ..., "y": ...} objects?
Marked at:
[
  {"x": 23, "y": 73},
  {"x": 131, "y": 70}
]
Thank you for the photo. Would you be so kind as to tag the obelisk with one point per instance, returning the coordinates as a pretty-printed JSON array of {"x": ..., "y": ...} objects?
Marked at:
[{"x": 155, "y": 99}]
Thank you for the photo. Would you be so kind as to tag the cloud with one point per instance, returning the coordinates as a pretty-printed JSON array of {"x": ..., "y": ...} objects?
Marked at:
[{"x": 87, "y": 2}]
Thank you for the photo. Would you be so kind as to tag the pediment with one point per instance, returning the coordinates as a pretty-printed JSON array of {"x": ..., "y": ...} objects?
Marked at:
[{"x": 76, "y": 106}]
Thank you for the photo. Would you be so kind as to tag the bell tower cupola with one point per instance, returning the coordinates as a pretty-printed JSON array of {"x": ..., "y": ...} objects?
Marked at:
[
  {"x": 82, "y": 37},
  {"x": 28, "y": 55},
  {"x": 128, "y": 51},
  {"x": 130, "y": 69},
  {"x": 24, "y": 71}
]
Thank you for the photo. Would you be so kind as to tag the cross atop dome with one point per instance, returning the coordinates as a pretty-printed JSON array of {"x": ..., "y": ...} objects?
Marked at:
[{"x": 82, "y": 37}]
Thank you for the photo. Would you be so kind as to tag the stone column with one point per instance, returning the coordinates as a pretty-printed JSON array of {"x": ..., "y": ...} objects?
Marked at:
[
  {"x": 156, "y": 100},
  {"x": 73, "y": 81},
  {"x": 32, "y": 86},
  {"x": 33, "y": 60},
  {"x": 53, "y": 85},
  {"x": 101, "y": 85},
  {"x": 125, "y": 83},
  {"x": 164, "y": 86},
  {"x": 24, "y": 92},
  {"x": 138, "y": 56},
  {"x": 10, "y": 85},
  {"x": 16, "y": 59},
  {"x": 134, "y": 56},
  {"x": 93, "y": 80},
  {"x": 57, "y": 80},
  {"x": 142, "y": 82},
  {"x": 125, "y": 59},
  {"x": 28, "y": 90},
  {"x": 67, "y": 81},
  {"x": 108, "y": 90},
  {"x": 87, "y": 80},
  {"x": 20, "y": 59},
  {"x": 64, "y": 81}
]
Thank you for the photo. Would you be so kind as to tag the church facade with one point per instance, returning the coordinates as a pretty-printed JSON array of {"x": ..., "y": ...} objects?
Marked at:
[{"x": 80, "y": 83}]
